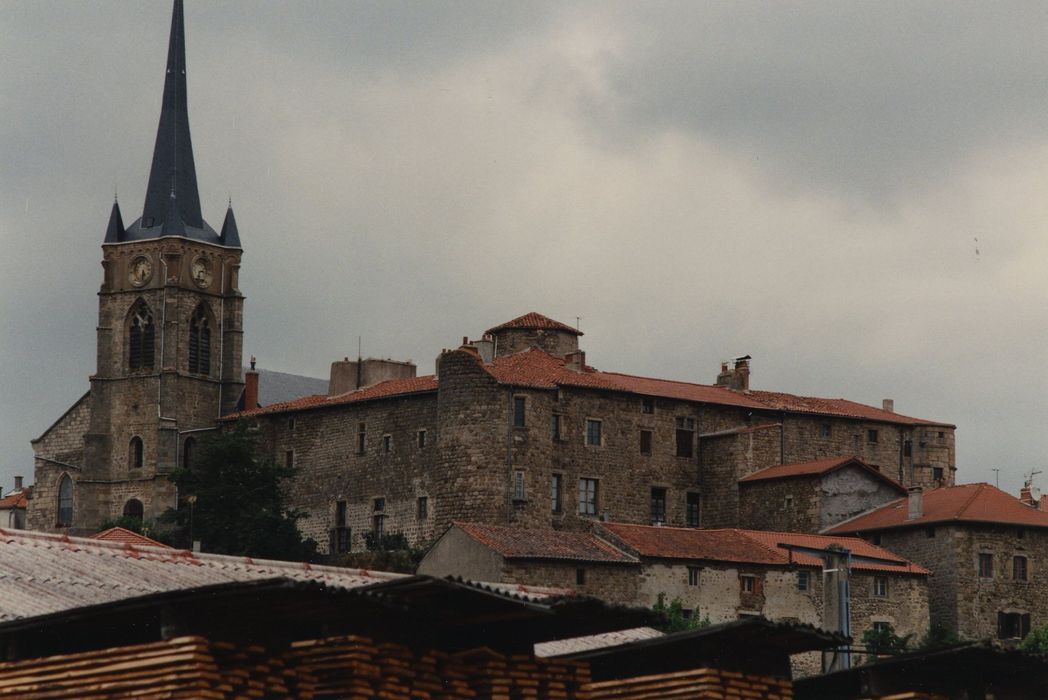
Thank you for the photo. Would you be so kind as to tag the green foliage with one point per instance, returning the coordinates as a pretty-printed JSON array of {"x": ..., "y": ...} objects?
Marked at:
[
  {"x": 673, "y": 616},
  {"x": 232, "y": 500},
  {"x": 938, "y": 637},
  {"x": 1036, "y": 642},
  {"x": 386, "y": 542},
  {"x": 884, "y": 642}
]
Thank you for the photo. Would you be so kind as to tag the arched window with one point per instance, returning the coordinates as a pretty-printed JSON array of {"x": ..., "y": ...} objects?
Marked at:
[
  {"x": 133, "y": 509},
  {"x": 141, "y": 337},
  {"x": 200, "y": 341},
  {"x": 65, "y": 501},
  {"x": 134, "y": 453},
  {"x": 188, "y": 452}
]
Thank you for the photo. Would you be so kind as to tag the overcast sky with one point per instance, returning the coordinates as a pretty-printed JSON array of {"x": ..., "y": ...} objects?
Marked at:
[{"x": 853, "y": 193}]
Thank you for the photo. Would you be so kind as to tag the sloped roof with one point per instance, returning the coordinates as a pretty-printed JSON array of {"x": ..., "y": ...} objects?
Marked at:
[
  {"x": 749, "y": 547},
  {"x": 279, "y": 387},
  {"x": 972, "y": 503},
  {"x": 382, "y": 390},
  {"x": 536, "y": 543},
  {"x": 125, "y": 536},
  {"x": 818, "y": 467},
  {"x": 534, "y": 321},
  {"x": 574, "y": 645},
  {"x": 17, "y": 499}
]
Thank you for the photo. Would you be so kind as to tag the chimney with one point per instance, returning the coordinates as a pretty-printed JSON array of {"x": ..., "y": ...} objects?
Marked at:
[
  {"x": 1026, "y": 495},
  {"x": 251, "y": 387},
  {"x": 575, "y": 361},
  {"x": 18, "y": 483},
  {"x": 888, "y": 405},
  {"x": 915, "y": 503},
  {"x": 737, "y": 378}
]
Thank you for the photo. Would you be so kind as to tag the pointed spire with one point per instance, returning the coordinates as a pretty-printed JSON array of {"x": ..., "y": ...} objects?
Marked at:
[
  {"x": 172, "y": 198},
  {"x": 115, "y": 230},
  {"x": 230, "y": 236}
]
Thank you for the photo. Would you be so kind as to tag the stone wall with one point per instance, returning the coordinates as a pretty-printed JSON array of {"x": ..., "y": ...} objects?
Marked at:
[
  {"x": 726, "y": 458},
  {"x": 555, "y": 342},
  {"x": 616, "y": 583}
]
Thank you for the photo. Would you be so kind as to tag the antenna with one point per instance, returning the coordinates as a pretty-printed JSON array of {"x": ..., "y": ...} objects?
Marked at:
[
  {"x": 997, "y": 477},
  {"x": 578, "y": 320},
  {"x": 1030, "y": 476}
]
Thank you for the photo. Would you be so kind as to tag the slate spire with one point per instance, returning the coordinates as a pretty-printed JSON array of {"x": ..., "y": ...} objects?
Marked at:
[
  {"x": 172, "y": 198},
  {"x": 115, "y": 230},
  {"x": 229, "y": 236}
]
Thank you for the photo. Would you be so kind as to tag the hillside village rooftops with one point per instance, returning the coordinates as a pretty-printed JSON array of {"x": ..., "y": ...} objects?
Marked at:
[
  {"x": 967, "y": 503},
  {"x": 817, "y": 467},
  {"x": 535, "y": 368},
  {"x": 750, "y": 547},
  {"x": 535, "y": 543}
]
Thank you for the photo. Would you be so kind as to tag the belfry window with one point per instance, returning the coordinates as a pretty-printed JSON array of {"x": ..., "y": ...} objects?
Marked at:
[
  {"x": 200, "y": 342},
  {"x": 135, "y": 453},
  {"x": 133, "y": 509},
  {"x": 65, "y": 501},
  {"x": 141, "y": 337}
]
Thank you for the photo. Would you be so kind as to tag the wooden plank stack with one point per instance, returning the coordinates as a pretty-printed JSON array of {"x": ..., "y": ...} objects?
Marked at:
[{"x": 698, "y": 684}]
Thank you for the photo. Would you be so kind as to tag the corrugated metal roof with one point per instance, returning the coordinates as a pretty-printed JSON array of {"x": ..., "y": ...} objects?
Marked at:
[{"x": 575, "y": 645}]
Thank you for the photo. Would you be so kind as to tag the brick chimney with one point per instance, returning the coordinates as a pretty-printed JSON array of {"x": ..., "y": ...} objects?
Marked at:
[
  {"x": 888, "y": 405},
  {"x": 251, "y": 387},
  {"x": 1026, "y": 495},
  {"x": 575, "y": 361},
  {"x": 738, "y": 377},
  {"x": 915, "y": 503},
  {"x": 18, "y": 483}
]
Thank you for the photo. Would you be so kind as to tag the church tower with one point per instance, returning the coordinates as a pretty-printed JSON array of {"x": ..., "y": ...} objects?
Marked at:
[{"x": 169, "y": 339}]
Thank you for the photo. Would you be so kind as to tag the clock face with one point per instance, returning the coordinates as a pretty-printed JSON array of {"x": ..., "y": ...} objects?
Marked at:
[
  {"x": 139, "y": 271},
  {"x": 201, "y": 273}
]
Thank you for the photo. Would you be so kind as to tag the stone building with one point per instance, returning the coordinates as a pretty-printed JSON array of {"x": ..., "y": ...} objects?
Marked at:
[
  {"x": 168, "y": 342},
  {"x": 13, "y": 507},
  {"x": 518, "y": 429},
  {"x": 989, "y": 552},
  {"x": 719, "y": 574}
]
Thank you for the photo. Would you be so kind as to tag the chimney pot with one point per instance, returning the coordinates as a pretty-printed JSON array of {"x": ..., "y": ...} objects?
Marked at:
[
  {"x": 915, "y": 503},
  {"x": 18, "y": 483},
  {"x": 888, "y": 405},
  {"x": 251, "y": 388}
]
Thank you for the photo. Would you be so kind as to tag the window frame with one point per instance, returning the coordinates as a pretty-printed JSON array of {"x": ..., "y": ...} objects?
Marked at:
[
  {"x": 594, "y": 429},
  {"x": 747, "y": 583},
  {"x": 556, "y": 493},
  {"x": 658, "y": 504},
  {"x": 693, "y": 505},
  {"x": 519, "y": 484},
  {"x": 556, "y": 427},
  {"x": 879, "y": 588},
  {"x": 647, "y": 439},
  {"x": 387, "y": 443},
  {"x": 804, "y": 581},
  {"x": 694, "y": 574},
  {"x": 64, "y": 513},
  {"x": 984, "y": 566},
  {"x": 420, "y": 438},
  {"x": 873, "y": 435},
  {"x": 1025, "y": 568},
  {"x": 136, "y": 450},
  {"x": 684, "y": 437},
  {"x": 647, "y": 405},
  {"x": 589, "y": 498},
  {"x": 422, "y": 508},
  {"x": 520, "y": 411}
]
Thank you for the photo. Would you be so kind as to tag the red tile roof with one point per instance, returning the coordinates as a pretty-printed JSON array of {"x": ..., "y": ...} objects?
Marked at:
[
  {"x": 125, "y": 536},
  {"x": 749, "y": 547},
  {"x": 817, "y": 467},
  {"x": 971, "y": 503},
  {"x": 534, "y": 321},
  {"x": 538, "y": 369},
  {"x": 527, "y": 543},
  {"x": 17, "y": 499}
]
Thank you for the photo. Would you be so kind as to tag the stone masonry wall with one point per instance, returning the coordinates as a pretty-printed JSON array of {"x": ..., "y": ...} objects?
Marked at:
[
  {"x": 616, "y": 583},
  {"x": 63, "y": 442},
  {"x": 784, "y": 505},
  {"x": 728, "y": 458}
]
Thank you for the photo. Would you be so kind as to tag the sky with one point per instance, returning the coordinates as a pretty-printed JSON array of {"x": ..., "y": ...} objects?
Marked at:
[{"x": 852, "y": 193}]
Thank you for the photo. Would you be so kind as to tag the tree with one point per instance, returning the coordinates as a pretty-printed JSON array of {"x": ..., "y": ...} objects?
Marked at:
[
  {"x": 882, "y": 640},
  {"x": 1036, "y": 642},
  {"x": 674, "y": 618},
  {"x": 938, "y": 637},
  {"x": 231, "y": 498}
]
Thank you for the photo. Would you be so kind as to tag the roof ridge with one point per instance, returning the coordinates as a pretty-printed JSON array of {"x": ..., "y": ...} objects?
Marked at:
[{"x": 774, "y": 550}]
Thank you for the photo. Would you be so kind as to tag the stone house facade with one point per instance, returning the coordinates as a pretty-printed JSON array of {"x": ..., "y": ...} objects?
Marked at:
[
  {"x": 989, "y": 552},
  {"x": 508, "y": 433}
]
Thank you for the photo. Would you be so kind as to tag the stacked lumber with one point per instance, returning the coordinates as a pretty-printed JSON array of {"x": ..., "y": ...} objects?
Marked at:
[
  {"x": 701, "y": 683},
  {"x": 358, "y": 668}
]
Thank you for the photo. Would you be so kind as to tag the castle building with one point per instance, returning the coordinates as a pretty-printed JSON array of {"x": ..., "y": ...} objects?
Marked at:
[
  {"x": 517, "y": 429},
  {"x": 168, "y": 343}
]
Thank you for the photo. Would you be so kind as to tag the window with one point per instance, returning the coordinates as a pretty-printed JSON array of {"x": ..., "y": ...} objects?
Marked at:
[
  {"x": 188, "y": 453},
  {"x": 692, "y": 509},
  {"x": 593, "y": 432},
  {"x": 985, "y": 565},
  {"x": 880, "y": 586},
  {"x": 133, "y": 509},
  {"x": 340, "y": 513},
  {"x": 647, "y": 405},
  {"x": 555, "y": 489},
  {"x": 872, "y": 435},
  {"x": 825, "y": 430},
  {"x": 387, "y": 443},
  {"x": 685, "y": 436},
  {"x": 1012, "y": 625},
  {"x": 65, "y": 501},
  {"x": 134, "y": 453},
  {"x": 658, "y": 505},
  {"x": 378, "y": 525},
  {"x": 339, "y": 537},
  {"x": 361, "y": 435},
  {"x": 1019, "y": 568},
  {"x": 200, "y": 342},
  {"x": 289, "y": 459},
  {"x": 907, "y": 448},
  {"x": 422, "y": 511},
  {"x": 693, "y": 575},
  {"x": 291, "y": 423},
  {"x": 937, "y": 473},
  {"x": 747, "y": 584},
  {"x": 555, "y": 426},
  {"x": 645, "y": 442},
  {"x": 518, "y": 486},
  {"x": 379, "y": 505},
  {"x": 881, "y": 626},
  {"x": 580, "y": 577},
  {"x": 787, "y": 501},
  {"x": 519, "y": 404},
  {"x": 141, "y": 337},
  {"x": 587, "y": 496},
  {"x": 803, "y": 580},
  {"x": 421, "y": 439}
]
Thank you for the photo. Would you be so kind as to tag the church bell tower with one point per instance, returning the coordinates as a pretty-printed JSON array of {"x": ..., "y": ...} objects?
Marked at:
[{"x": 170, "y": 318}]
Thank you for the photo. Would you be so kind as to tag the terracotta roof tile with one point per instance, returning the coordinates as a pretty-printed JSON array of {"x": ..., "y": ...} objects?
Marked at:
[
  {"x": 534, "y": 320},
  {"x": 528, "y": 543},
  {"x": 821, "y": 466},
  {"x": 834, "y": 407},
  {"x": 973, "y": 503},
  {"x": 382, "y": 390},
  {"x": 125, "y": 536},
  {"x": 748, "y": 546},
  {"x": 17, "y": 499}
]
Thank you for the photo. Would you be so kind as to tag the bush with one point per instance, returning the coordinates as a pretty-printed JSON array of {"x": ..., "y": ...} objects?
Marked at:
[
  {"x": 1036, "y": 642},
  {"x": 884, "y": 641},
  {"x": 674, "y": 618},
  {"x": 938, "y": 637}
]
